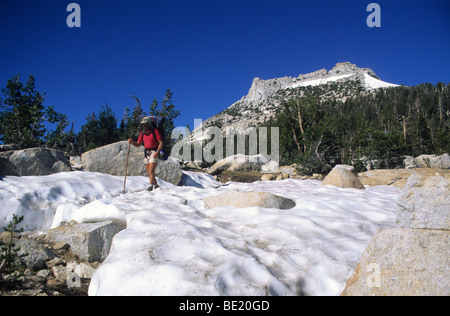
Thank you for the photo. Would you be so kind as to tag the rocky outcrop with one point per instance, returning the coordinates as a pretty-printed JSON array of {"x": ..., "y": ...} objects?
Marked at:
[
  {"x": 111, "y": 159},
  {"x": 342, "y": 176},
  {"x": 411, "y": 259},
  {"x": 33, "y": 162},
  {"x": 240, "y": 199}
]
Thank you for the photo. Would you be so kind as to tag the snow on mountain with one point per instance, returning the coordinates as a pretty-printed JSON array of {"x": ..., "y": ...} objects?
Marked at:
[
  {"x": 265, "y": 96},
  {"x": 318, "y": 82},
  {"x": 373, "y": 83},
  {"x": 174, "y": 245}
]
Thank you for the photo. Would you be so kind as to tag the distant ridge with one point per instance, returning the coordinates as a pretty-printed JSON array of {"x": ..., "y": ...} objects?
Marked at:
[{"x": 264, "y": 97}]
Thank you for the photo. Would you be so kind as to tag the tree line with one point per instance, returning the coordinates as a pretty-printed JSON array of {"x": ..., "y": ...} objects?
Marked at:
[
  {"x": 23, "y": 117},
  {"x": 376, "y": 128}
]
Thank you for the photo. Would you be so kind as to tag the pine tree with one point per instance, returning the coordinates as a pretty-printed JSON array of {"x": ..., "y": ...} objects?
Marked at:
[
  {"x": 22, "y": 114},
  {"x": 100, "y": 130},
  {"x": 60, "y": 138}
]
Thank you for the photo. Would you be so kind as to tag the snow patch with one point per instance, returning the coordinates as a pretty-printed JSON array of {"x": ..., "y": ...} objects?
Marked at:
[
  {"x": 173, "y": 245},
  {"x": 317, "y": 82},
  {"x": 373, "y": 83}
]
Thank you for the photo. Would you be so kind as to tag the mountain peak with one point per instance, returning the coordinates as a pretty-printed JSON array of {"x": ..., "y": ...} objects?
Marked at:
[
  {"x": 349, "y": 68},
  {"x": 265, "y": 96}
]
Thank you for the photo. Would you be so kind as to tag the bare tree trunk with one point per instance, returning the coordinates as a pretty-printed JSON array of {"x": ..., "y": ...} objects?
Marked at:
[
  {"x": 404, "y": 128},
  {"x": 288, "y": 115},
  {"x": 300, "y": 121}
]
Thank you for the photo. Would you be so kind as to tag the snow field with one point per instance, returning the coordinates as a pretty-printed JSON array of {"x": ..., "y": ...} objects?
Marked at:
[{"x": 174, "y": 245}]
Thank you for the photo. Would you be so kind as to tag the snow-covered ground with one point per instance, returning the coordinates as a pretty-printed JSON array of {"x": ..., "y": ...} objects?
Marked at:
[{"x": 174, "y": 245}]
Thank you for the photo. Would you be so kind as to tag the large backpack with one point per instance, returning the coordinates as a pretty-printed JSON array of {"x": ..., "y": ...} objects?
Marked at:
[{"x": 157, "y": 122}]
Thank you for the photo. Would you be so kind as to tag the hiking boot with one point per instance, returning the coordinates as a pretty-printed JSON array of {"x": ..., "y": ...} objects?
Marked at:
[{"x": 152, "y": 187}]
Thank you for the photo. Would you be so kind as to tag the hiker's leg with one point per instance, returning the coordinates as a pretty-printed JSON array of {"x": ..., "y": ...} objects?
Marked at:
[
  {"x": 151, "y": 173},
  {"x": 147, "y": 166}
]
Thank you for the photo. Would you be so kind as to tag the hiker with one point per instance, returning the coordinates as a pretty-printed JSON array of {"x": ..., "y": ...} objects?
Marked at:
[{"x": 151, "y": 138}]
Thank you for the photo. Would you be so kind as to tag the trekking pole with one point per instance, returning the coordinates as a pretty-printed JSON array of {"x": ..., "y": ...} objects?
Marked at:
[
  {"x": 128, "y": 153},
  {"x": 126, "y": 168}
]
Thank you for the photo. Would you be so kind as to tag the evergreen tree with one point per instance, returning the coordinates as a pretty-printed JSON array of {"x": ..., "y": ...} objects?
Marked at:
[
  {"x": 100, "y": 130},
  {"x": 22, "y": 114},
  {"x": 377, "y": 127},
  {"x": 60, "y": 138},
  {"x": 170, "y": 113}
]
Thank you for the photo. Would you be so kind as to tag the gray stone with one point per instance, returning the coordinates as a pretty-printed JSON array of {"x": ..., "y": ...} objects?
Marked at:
[
  {"x": 441, "y": 162},
  {"x": 36, "y": 255},
  {"x": 410, "y": 162},
  {"x": 424, "y": 161},
  {"x": 33, "y": 162},
  {"x": 412, "y": 259},
  {"x": 342, "y": 177},
  {"x": 403, "y": 262},
  {"x": 73, "y": 270},
  {"x": 89, "y": 241},
  {"x": 238, "y": 163},
  {"x": 425, "y": 203},
  {"x": 240, "y": 199}
]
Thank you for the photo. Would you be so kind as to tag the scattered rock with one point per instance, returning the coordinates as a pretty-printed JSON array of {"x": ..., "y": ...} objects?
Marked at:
[
  {"x": 50, "y": 264},
  {"x": 36, "y": 254},
  {"x": 268, "y": 177},
  {"x": 342, "y": 177},
  {"x": 64, "y": 275},
  {"x": 240, "y": 199},
  {"x": 286, "y": 170},
  {"x": 89, "y": 241}
]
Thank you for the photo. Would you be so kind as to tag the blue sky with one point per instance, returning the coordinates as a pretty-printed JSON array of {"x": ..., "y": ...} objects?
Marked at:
[{"x": 208, "y": 51}]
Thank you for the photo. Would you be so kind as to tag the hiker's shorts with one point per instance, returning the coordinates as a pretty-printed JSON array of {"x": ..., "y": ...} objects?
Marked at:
[{"x": 149, "y": 159}]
